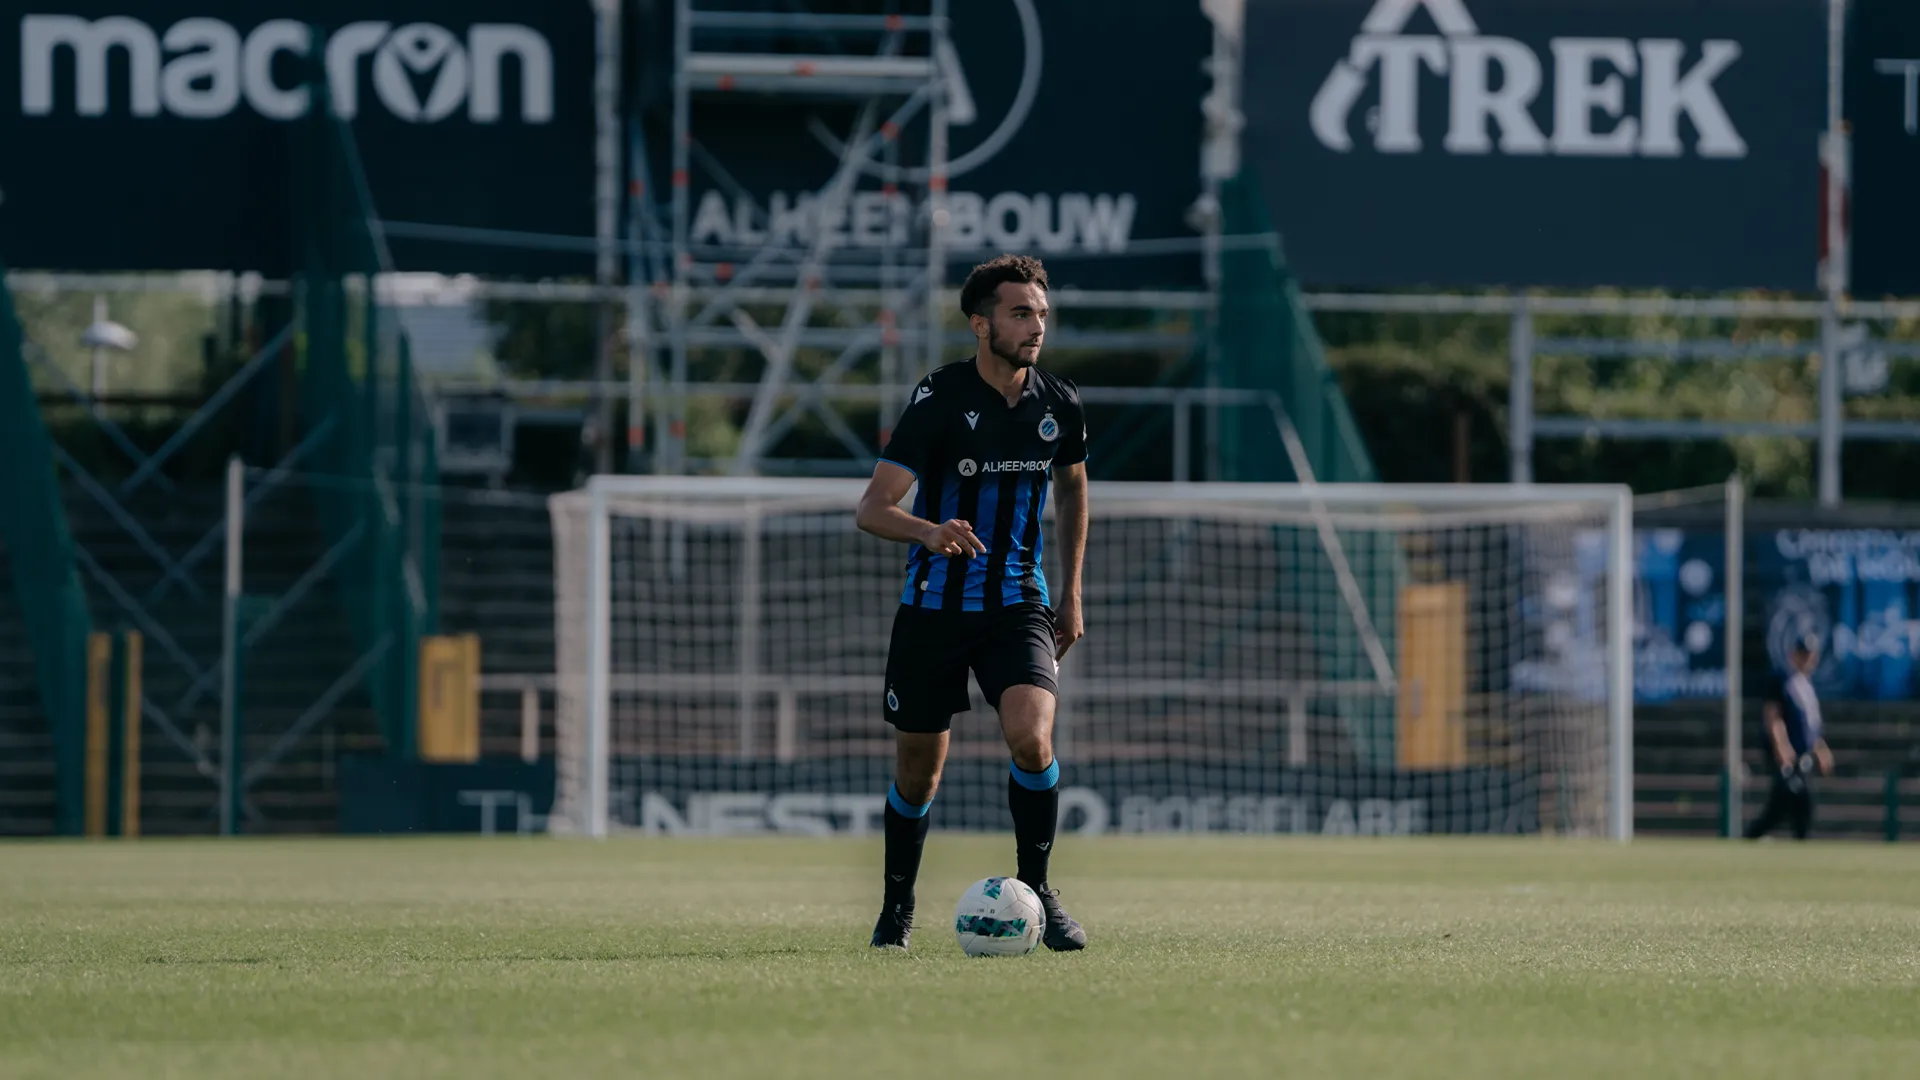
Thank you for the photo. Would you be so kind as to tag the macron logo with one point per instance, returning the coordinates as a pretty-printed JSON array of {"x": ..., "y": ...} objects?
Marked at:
[
  {"x": 922, "y": 394},
  {"x": 205, "y": 69},
  {"x": 973, "y": 420}
]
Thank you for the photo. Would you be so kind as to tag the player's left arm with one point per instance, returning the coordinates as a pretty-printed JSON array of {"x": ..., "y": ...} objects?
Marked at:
[
  {"x": 1070, "y": 514},
  {"x": 1070, "y": 510}
]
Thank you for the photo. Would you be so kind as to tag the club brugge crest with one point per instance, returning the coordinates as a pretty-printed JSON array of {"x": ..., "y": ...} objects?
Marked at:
[
  {"x": 893, "y": 703},
  {"x": 1049, "y": 428}
]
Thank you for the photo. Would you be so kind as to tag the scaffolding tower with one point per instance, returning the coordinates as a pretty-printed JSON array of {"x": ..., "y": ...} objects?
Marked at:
[{"x": 900, "y": 74}]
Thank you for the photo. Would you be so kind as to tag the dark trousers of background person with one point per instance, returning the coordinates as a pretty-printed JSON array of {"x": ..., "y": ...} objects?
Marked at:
[{"x": 1791, "y": 801}]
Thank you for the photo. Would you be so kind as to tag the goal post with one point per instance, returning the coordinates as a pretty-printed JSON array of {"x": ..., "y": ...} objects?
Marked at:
[{"x": 1345, "y": 658}]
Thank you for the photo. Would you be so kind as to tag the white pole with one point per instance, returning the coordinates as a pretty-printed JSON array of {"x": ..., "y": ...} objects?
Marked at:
[
  {"x": 606, "y": 91},
  {"x": 1520, "y": 395},
  {"x": 1835, "y": 285},
  {"x": 99, "y": 380},
  {"x": 750, "y": 586},
  {"x": 230, "y": 646},
  {"x": 530, "y": 723},
  {"x": 937, "y": 211},
  {"x": 599, "y": 633},
  {"x": 1735, "y": 583},
  {"x": 1620, "y": 664}
]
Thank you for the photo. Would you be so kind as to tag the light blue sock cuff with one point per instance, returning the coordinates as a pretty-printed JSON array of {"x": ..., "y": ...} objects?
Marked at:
[
  {"x": 1037, "y": 781},
  {"x": 903, "y": 807}
]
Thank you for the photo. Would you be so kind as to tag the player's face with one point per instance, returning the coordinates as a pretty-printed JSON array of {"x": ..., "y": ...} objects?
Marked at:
[
  {"x": 1018, "y": 325},
  {"x": 1805, "y": 661}
]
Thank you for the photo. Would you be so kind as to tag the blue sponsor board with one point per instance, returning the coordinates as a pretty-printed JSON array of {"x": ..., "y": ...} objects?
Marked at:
[
  {"x": 1855, "y": 589},
  {"x": 1680, "y": 615},
  {"x": 1679, "y": 618}
]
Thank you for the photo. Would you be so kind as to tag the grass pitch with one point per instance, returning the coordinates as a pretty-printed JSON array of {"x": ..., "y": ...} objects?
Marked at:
[{"x": 716, "y": 959}]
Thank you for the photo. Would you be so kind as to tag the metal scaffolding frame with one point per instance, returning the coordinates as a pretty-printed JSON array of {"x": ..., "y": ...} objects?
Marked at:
[{"x": 898, "y": 70}]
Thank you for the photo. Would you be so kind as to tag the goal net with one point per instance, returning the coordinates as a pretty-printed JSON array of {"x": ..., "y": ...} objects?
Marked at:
[{"x": 1368, "y": 659}]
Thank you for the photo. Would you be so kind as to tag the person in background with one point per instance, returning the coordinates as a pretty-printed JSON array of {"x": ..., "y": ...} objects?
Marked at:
[{"x": 1790, "y": 716}]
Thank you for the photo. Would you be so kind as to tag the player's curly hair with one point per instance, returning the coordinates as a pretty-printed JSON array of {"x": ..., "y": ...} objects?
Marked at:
[{"x": 983, "y": 285}]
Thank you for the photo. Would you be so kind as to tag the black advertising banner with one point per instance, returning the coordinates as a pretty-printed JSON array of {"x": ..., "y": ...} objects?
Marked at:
[
  {"x": 1461, "y": 143},
  {"x": 156, "y": 136},
  {"x": 845, "y": 796},
  {"x": 1883, "y": 111},
  {"x": 1075, "y": 136}
]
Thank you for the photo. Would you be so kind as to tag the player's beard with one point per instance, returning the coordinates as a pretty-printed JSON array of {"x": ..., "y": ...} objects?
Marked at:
[{"x": 1011, "y": 354}]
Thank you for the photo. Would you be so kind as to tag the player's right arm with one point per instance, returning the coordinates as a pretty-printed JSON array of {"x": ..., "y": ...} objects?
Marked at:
[
  {"x": 1776, "y": 726},
  {"x": 880, "y": 513},
  {"x": 913, "y": 450}
]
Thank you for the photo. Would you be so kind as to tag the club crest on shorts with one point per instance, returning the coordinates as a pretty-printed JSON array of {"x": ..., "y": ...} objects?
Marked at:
[
  {"x": 1049, "y": 428},
  {"x": 893, "y": 703}
]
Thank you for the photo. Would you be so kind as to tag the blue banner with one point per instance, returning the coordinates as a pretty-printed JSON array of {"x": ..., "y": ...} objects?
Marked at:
[
  {"x": 1680, "y": 615},
  {"x": 1855, "y": 589},
  {"x": 697, "y": 796}
]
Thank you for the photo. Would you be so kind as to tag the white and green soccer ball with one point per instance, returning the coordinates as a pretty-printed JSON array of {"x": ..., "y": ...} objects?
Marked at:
[{"x": 999, "y": 916}]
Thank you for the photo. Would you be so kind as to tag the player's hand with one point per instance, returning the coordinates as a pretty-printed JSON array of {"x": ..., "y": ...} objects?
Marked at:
[
  {"x": 954, "y": 538},
  {"x": 1068, "y": 626},
  {"x": 1825, "y": 758}
]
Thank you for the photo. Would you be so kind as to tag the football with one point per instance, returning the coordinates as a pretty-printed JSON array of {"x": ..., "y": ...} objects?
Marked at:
[{"x": 998, "y": 916}]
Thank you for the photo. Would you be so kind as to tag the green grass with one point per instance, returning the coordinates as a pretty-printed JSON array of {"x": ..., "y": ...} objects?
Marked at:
[{"x": 715, "y": 959}]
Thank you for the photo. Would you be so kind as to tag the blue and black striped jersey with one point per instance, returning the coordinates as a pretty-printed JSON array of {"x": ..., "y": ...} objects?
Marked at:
[{"x": 989, "y": 464}]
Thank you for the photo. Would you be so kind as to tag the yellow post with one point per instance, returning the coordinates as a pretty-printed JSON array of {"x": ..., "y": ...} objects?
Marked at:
[
  {"x": 99, "y": 679},
  {"x": 450, "y": 698},
  {"x": 1433, "y": 677},
  {"x": 132, "y": 651}
]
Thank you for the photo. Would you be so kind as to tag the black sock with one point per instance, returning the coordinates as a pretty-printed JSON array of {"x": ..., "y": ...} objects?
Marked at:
[
  {"x": 1034, "y": 799},
  {"x": 906, "y": 831}
]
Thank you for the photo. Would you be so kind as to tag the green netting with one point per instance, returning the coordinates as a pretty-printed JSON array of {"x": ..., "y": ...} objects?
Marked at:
[
  {"x": 46, "y": 580},
  {"x": 1267, "y": 341},
  {"x": 357, "y": 381}
]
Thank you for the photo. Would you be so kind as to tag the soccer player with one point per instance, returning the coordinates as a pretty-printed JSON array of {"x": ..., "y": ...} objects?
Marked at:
[
  {"x": 1791, "y": 716},
  {"x": 981, "y": 436}
]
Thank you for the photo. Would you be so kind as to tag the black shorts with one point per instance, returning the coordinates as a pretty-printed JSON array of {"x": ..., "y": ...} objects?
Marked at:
[{"x": 931, "y": 652}]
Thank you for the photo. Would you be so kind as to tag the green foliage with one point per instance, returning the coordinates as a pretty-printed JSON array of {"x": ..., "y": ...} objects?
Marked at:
[
  {"x": 173, "y": 329},
  {"x": 1410, "y": 379}
]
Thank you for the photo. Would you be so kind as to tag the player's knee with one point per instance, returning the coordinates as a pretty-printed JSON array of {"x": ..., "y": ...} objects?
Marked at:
[
  {"x": 1032, "y": 750},
  {"x": 917, "y": 790},
  {"x": 917, "y": 768}
]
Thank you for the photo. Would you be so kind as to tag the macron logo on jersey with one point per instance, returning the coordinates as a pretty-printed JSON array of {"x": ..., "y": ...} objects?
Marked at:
[{"x": 922, "y": 394}]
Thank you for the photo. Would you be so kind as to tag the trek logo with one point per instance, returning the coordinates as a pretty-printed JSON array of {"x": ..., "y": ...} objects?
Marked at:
[
  {"x": 202, "y": 69},
  {"x": 1494, "y": 82},
  {"x": 1908, "y": 71}
]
